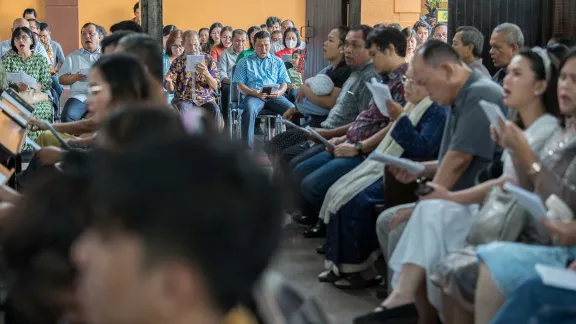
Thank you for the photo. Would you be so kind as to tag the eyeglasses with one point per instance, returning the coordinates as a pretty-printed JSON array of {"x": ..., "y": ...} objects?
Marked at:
[
  {"x": 226, "y": 37},
  {"x": 177, "y": 46},
  {"x": 22, "y": 38},
  {"x": 94, "y": 90}
]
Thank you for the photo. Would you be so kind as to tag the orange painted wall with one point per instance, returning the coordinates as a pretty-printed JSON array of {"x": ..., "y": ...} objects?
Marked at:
[
  {"x": 10, "y": 10},
  {"x": 404, "y": 12}
]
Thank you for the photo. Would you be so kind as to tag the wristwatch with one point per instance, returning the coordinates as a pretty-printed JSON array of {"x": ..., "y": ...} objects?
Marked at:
[{"x": 358, "y": 147}]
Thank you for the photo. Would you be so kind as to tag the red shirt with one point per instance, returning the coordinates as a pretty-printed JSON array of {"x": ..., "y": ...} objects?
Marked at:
[
  {"x": 216, "y": 52},
  {"x": 285, "y": 51}
]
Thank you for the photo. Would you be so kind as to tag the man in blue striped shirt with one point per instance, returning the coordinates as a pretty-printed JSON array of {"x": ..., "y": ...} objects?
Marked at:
[{"x": 254, "y": 72}]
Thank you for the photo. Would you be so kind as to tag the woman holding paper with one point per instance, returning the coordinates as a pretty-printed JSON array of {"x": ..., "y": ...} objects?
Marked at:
[
  {"x": 351, "y": 243},
  {"x": 506, "y": 265},
  {"x": 22, "y": 60},
  {"x": 530, "y": 88}
]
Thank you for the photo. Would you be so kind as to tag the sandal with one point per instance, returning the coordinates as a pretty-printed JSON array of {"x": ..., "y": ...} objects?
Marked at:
[
  {"x": 328, "y": 276},
  {"x": 356, "y": 281},
  {"x": 407, "y": 311}
]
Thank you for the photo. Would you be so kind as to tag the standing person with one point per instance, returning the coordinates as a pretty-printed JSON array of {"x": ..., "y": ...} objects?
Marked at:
[
  {"x": 204, "y": 34},
  {"x": 194, "y": 89},
  {"x": 251, "y": 32},
  {"x": 22, "y": 59},
  {"x": 73, "y": 72},
  {"x": 252, "y": 73},
  {"x": 225, "y": 43},
  {"x": 174, "y": 49},
  {"x": 228, "y": 61}
]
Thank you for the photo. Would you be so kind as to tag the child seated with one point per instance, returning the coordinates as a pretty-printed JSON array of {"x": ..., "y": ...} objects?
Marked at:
[{"x": 294, "y": 75}]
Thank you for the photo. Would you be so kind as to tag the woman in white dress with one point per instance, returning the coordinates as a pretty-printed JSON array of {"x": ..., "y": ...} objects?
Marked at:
[{"x": 442, "y": 219}]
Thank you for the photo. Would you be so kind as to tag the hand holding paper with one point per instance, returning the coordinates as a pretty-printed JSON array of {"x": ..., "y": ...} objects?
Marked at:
[
  {"x": 380, "y": 93},
  {"x": 192, "y": 61},
  {"x": 291, "y": 124},
  {"x": 410, "y": 166},
  {"x": 527, "y": 199},
  {"x": 493, "y": 112}
]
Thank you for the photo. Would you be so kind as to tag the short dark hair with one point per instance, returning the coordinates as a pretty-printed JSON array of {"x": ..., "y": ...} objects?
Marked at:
[
  {"x": 263, "y": 26},
  {"x": 19, "y": 31},
  {"x": 342, "y": 31},
  {"x": 88, "y": 24},
  {"x": 250, "y": 220},
  {"x": 365, "y": 29},
  {"x": 472, "y": 36},
  {"x": 136, "y": 7},
  {"x": 566, "y": 40},
  {"x": 250, "y": 31},
  {"x": 140, "y": 124},
  {"x": 276, "y": 32},
  {"x": 36, "y": 22},
  {"x": 383, "y": 37},
  {"x": 113, "y": 39},
  {"x": 408, "y": 32},
  {"x": 421, "y": 23},
  {"x": 273, "y": 20},
  {"x": 238, "y": 32},
  {"x": 395, "y": 26},
  {"x": 126, "y": 76},
  {"x": 167, "y": 29},
  {"x": 127, "y": 25},
  {"x": 101, "y": 30},
  {"x": 28, "y": 11},
  {"x": 148, "y": 51},
  {"x": 261, "y": 35},
  {"x": 44, "y": 26},
  {"x": 295, "y": 31},
  {"x": 436, "y": 51},
  {"x": 438, "y": 25}
]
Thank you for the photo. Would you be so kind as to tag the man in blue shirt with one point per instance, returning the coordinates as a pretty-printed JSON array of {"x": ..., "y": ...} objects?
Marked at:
[{"x": 251, "y": 74}]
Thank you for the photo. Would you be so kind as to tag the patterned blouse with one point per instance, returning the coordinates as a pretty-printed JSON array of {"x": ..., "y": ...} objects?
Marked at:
[
  {"x": 36, "y": 66},
  {"x": 183, "y": 83}
]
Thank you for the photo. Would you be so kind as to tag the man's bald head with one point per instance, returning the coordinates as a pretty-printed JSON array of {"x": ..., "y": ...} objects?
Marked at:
[{"x": 20, "y": 22}]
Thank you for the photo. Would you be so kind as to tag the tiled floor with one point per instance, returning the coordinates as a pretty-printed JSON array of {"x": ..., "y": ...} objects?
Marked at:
[{"x": 300, "y": 264}]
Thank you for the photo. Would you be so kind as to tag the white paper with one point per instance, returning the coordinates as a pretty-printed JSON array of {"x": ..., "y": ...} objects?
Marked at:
[
  {"x": 192, "y": 61},
  {"x": 563, "y": 278},
  {"x": 380, "y": 93},
  {"x": 492, "y": 111},
  {"x": 286, "y": 57},
  {"x": 412, "y": 167},
  {"x": 291, "y": 124},
  {"x": 55, "y": 133},
  {"x": 320, "y": 137},
  {"x": 32, "y": 144},
  {"x": 3, "y": 179},
  {"x": 529, "y": 200},
  {"x": 21, "y": 77}
]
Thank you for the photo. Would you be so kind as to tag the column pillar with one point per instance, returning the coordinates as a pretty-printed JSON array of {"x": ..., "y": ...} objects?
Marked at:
[
  {"x": 62, "y": 16},
  {"x": 151, "y": 12}
]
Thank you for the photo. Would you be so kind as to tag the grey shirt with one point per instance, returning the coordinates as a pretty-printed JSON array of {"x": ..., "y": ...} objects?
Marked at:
[
  {"x": 478, "y": 65},
  {"x": 354, "y": 98},
  {"x": 59, "y": 57},
  {"x": 77, "y": 61},
  {"x": 228, "y": 60},
  {"x": 468, "y": 129}
]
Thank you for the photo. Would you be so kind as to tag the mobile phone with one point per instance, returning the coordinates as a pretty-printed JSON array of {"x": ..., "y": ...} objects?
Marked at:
[{"x": 267, "y": 90}]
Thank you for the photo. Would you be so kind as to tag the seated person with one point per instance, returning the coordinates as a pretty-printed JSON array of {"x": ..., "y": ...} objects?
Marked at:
[
  {"x": 295, "y": 77},
  {"x": 127, "y": 25},
  {"x": 350, "y": 254},
  {"x": 252, "y": 31},
  {"x": 291, "y": 41},
  {"x": 157, "y": 238},
  {"x": 315, "y": 175},
  {"x": 227, "y": 62},
  {"x": 71, "y": 73},
  {"x": 194, "y": 89},
  {"x": 350, "y": 95},
  {"x": 466, "y": 149},
  {"x": 109, "y": 43},
  {"x": 276, "y": 36},
  {"x": 251, "y": 74}
]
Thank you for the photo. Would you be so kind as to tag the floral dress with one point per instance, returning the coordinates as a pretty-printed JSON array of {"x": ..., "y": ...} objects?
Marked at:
[{"x": 38, "y": 67}]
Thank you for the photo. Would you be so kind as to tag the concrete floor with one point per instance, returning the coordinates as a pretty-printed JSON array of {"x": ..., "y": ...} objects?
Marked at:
[{"x": 300, "y": 264}]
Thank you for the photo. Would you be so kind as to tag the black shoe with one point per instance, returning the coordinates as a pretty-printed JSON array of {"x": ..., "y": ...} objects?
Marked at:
[
  {"x": 321, "y": 249},
  {"x": 407, "y": 311},
  {"x": 319, "y": 230},
  {"x": 305, "y": 220}
]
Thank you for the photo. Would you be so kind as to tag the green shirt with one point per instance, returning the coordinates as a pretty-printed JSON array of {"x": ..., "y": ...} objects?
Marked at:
[
  {"x": 3, "y": 83},
  {"x": 36, "y": 66},
  {"x": 295, "y": 77},
  {"x": 244, "y": 54}
]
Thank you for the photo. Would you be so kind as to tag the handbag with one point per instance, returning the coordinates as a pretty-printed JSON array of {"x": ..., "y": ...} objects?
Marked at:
[
  {"x": 500, "y": 219},
  {"x": 33, "y": 96}
]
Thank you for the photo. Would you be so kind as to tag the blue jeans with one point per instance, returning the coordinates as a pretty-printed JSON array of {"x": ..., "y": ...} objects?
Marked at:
[
  {"x": 534, "y": 302},
  {"x": 317, "y": 174},
  {"x": 74, "y": 110},
  {"x": 251, "y": 106}
]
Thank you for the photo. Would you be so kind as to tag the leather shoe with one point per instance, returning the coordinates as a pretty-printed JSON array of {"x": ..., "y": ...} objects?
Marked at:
[
  {"x": 305, "y": 220},
  {"x": 321, "y": 249},
  {"x": 319, "y": 230}
]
